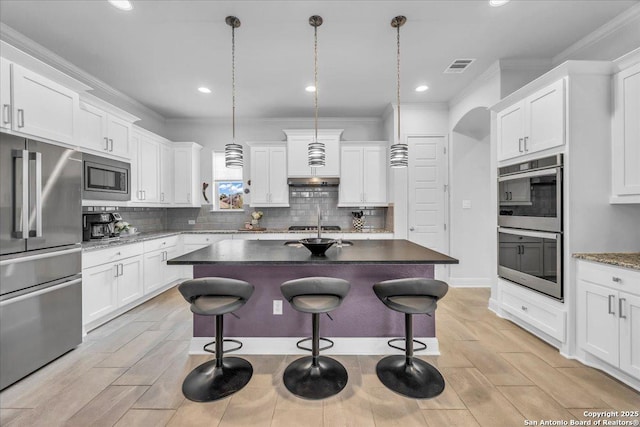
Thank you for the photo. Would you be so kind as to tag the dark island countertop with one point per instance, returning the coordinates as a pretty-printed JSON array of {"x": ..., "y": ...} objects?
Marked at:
[{"x": 254, "y": 252}]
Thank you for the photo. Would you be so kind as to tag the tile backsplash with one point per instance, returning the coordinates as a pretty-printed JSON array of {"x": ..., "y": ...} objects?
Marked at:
[{"x": 303, "y": 203}]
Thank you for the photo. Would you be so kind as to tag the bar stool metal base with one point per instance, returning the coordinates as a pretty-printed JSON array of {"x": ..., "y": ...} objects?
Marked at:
[
  {"x": 419, "y": 380},
  {"x": 208, "y": 382},
  {"x": 303, "y": 379}
]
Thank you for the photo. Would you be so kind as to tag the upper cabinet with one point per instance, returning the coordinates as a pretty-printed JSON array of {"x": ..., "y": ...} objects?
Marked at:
[
  {"x": 534, "y": 124},
  {"x": 186, "y": 164},
  {"x": 626, "y": 137},
  {"x": 145, "y": 167},
  {"x": 35, "y": 105},
  {"x": 297, "y": 152},
  {"x": 107, "y": 132},
  {"x": 363, "y": 177},
  {"x": 269, "y": 175}
]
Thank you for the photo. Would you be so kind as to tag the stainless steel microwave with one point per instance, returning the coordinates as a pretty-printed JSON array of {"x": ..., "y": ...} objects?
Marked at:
[{"x": 105, "y": 179}]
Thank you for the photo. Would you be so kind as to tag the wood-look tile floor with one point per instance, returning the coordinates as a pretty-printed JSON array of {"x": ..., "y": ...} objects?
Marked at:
[{"x": 129, "y": 372}]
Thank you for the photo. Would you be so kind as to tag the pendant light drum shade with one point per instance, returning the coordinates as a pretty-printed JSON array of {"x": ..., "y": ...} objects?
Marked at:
[
  {"x": 233, "y": 156},
  {"x": 399, "y": 153},
  {"x": 316, "y": 149}
]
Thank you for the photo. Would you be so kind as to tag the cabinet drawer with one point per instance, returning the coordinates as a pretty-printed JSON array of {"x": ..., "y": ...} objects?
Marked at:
[
  {"x": 613, "y": 277},
  {"x": 205, "y": 239},
  {"x": 162, "y": 243},
  {"x": 527, "y": 306},
  {"x": 103, "y": 256}
]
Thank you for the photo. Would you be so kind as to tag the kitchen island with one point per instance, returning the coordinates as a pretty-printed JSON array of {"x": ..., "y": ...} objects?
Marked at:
[{"x": 267, "y": 264}]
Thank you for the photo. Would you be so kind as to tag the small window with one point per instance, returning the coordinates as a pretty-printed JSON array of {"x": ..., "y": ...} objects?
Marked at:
[{"x": 228, "y": 187}]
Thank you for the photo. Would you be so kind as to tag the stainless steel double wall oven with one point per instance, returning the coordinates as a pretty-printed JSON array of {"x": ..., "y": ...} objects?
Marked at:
[{"x": 530, "y": 224}]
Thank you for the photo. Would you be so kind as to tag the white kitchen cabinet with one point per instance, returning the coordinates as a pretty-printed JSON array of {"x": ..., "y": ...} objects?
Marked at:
[
  {"x": 269, "y": 185},
  {"x": 130, "y": 280},
  {"x": 186, "y": 163},
  {"x": 534, "y": 124},
  {"x": 626, "y": 137},
  {"x": 40, "y": 106},
  {"x": 100, "y": 291},
  {"x": 363, "y": 175},
  {"x": 516, "y": 192},
  {"x": 156, "y": 271},
  {"x": 5, "y": 93},
  {"x": 297, "y": 152},
  {"x": 104, "y": 132},
  {"x": 608, "y": 315},
  {"x": 148, "y": 169},
  {"x": 166, "y": 173}
]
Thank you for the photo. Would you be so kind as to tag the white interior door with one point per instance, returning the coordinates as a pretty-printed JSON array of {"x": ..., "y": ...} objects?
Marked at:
[{"x": 428, "y": 195}]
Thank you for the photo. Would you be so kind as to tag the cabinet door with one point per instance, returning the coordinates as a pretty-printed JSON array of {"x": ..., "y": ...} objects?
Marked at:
[
  {"x": 259, "y": 176},
  {"x": 42, "y": 107},
  {"x": 598, "y": 321},
  {"x": 278, "y": 186},
  {"x": 351, "y": 173},
  {"x": 545, "y": 124},
  {"x": 182, "y": 181},
  {"x": 166, "y": 173},
  {"x": 626, "y": 133},
  {"x": 99, "y": 291},
  {"x": 172, "y": 272},
  {"x": 629, "y": 314},
  {"x": 297, "y": 157},
  {"x": 511, "y": 132},
  {"x": 332, "y": 158},
  {"x": 5, "y": 93},
  {"x": 130, "y": 280},
  {"x": 148, "y": 169},
  {"x": 153, "y": 270},
  {"x": 91, "y": 129},
  {"x": 374, "y": 178},
  {"x": 119, "y": 134}
]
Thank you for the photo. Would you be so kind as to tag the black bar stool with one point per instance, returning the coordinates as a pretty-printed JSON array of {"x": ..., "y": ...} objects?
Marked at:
[
  {"x": 315, "y": 376},
  {"x": 218, "y": 378},
  {"x": 406, "y": 374}
]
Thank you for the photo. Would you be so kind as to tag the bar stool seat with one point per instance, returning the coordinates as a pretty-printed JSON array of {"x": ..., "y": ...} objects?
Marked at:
[
  {"x": 315, "y": 376},
  {"x": 218, "y": 378},
  {"x": 406, "y": 374}
]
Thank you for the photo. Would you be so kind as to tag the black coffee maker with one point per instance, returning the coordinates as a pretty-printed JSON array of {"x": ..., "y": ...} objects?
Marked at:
[{"x": 96, "y": 226}]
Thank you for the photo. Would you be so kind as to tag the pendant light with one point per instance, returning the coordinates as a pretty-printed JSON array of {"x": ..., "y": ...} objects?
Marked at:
[
  {"x": 399, "y": 157},
  {"x": 316, "y": 149},
  {"x": 233, "y": 151}
]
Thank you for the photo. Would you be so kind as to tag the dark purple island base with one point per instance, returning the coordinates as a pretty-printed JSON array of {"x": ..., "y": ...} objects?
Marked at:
[{"x": 267, "y": 264}]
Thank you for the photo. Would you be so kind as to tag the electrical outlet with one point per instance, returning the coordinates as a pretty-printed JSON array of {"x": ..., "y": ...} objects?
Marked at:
[
  {"x": 277, "y": 307},
  {"x": 192, "y": 222}
]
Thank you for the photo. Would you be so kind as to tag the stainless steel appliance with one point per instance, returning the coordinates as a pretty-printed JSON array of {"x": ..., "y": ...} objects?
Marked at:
[
  {"x": 532, "y": 259},
  {"x": 530, "y": 194},
  {"x": 99, "y": 226},
  {"x": 106, "y": 179},
  {"x": 40, "y": 254}
]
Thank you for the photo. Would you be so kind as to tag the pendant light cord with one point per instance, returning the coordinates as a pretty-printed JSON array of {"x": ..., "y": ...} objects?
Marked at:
[
  {"x": 398, "y": 77},
  {"x": 315, "y": 77},
  {"x": 233, "y": 83}
]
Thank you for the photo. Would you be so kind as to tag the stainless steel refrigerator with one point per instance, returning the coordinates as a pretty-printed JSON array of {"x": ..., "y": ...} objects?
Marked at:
[{"x": 40, "y": 254}]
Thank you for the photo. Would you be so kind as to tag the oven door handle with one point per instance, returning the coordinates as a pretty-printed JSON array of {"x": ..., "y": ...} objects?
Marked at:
[
  {"x": 530, "y": 174},
  {"x": 528, "y": 233},
  {"x": 40, "y": 292}
]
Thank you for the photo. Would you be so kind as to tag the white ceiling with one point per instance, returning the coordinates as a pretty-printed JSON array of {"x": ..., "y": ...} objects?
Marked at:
[{"x": 160, "y": 52}]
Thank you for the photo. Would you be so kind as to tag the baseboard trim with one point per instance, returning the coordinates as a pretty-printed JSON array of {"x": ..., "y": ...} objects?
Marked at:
[
  {"x": 466, "y": 282},
  {"x": 343, "y": 346}
]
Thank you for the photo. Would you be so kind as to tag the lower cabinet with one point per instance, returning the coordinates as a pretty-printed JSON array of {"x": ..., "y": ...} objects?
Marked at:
[
  {"x": 609, "y": 315},
  {"x": 156, "y": 271}
]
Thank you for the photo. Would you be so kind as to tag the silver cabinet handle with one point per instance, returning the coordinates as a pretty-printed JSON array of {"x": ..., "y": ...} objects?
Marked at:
[
  {"x": 526, "y": 139},
  {"x": 6, "y": 113},
  {"x": 116, "y": 270},
  {"x": 510, "y": 195},
  {"x": 620, "y": 305},
  {"x": 106, "y": 144},
  {"x": 520, "y": 145},
  {"x": 37, "y": 209},
  {"x": 162, "y": 197},
  {"x": 611, "y": 297},
  {"x": 20, "y": 118},
  {"x": 121, "y": 269},
  {"x": 524, "y": 308},
  {"x": 616, "y": 279},
  {"x": 21, "y": 194},
  {"x": 111, "y": 142},
  {"x": 144, "y": 194},
  {"x": 412, "y": 228}
]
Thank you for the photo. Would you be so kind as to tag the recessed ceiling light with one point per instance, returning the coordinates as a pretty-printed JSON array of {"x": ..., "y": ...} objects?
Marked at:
[
  {"x": 310, "y": 88},
  {"x": 204, "y": 89},
  {"x": 422, "y": 88},
  {"x": 121, "y": 4},
  {"x": 497, "y": 3}
]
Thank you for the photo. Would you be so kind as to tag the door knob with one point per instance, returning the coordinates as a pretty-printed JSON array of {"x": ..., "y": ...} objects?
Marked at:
[{"x": 412, "y": 228}]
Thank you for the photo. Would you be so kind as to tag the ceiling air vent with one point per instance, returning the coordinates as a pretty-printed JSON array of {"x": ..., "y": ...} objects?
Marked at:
[{"x": 459, "y": 65}]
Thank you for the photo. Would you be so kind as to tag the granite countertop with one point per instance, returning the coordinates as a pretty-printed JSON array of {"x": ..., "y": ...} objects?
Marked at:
[
  {"x": 619, "y": 259},
  {"x": 275, "y": 252}
]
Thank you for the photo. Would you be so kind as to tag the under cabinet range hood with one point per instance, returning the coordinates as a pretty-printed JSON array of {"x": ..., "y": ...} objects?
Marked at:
[{"x": 314, "y": 182}]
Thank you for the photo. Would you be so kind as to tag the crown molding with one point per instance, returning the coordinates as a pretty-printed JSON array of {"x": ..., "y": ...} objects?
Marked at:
[
  {"x": 626, "y": 17},
  {"x": 225, "y": 120},
  {"x": 628, "y": 59},
  {"x": 41, "y": 53}
]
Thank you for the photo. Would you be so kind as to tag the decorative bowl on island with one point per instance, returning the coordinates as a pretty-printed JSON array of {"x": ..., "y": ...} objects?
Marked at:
[{"x": 317, "y": 246}]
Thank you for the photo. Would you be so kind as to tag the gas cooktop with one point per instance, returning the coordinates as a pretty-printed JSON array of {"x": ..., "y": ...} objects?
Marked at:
[{"x": 314, "y": 228}]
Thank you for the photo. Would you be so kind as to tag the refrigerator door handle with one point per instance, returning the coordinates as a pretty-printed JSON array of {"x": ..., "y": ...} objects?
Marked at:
[
  {"x": 21, "y": 194},
  {"x": 37, "y": 157}
]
